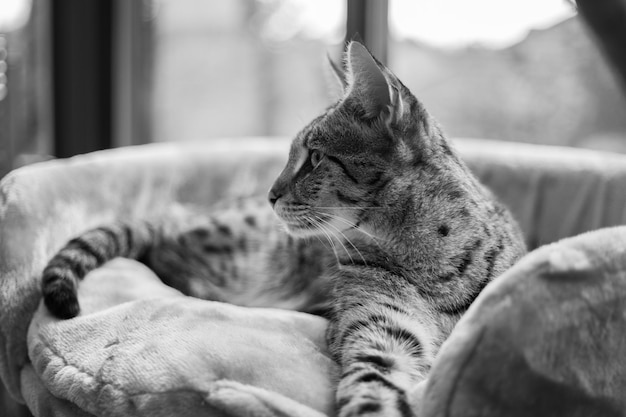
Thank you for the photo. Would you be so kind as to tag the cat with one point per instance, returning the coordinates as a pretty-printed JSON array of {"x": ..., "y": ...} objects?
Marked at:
[{"x": 385, "y": 231}]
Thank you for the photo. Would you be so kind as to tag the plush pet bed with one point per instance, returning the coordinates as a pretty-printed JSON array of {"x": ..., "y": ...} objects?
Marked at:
[{"x": 546, "y": 338}]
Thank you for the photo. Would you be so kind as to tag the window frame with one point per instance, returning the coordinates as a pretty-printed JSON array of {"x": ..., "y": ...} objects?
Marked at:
[{"x": 102, "y": 52}]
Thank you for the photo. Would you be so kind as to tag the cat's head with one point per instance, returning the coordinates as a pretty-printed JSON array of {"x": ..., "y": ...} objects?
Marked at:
[{"x": 342, "y": 163}]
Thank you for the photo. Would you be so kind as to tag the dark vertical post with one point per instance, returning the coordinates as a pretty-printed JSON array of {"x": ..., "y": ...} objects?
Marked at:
[
  {"x": 81, "y": 62},
  {"x": 367, "y": 21},
  {"x": 607, "y": 20},
  {"x": 133, "y": 53}
]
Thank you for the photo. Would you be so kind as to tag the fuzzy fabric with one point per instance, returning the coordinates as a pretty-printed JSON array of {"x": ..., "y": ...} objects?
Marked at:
[
  {"x": 140, "y": 348},
  {"x": 547, "y": 338},
  {"x": 42, "y": 206}
]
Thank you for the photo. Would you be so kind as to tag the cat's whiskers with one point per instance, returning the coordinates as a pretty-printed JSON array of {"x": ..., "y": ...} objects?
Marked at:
[
  {"x": 347, "y": 239},
  {"x": 280, "y": 226},
  {"x": 318, "y": 223},
  {"x": 354, "y": 226},
  {"x": 324, "y": 243},
  {"x": 322, "y": 223},
  {"x": 316, "y": 226},
  {"x": 352, "y": 208},
  {"x": 350, "y": 242}
]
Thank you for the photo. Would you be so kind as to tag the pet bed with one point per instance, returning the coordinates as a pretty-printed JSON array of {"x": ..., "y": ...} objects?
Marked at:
[{"x": 549, "y": 336}]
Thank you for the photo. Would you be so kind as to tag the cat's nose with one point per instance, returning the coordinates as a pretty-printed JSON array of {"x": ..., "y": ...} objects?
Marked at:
[{"x": 273, "y": 196}]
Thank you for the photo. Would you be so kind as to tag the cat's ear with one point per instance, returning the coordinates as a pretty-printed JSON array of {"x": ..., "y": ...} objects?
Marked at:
[
  {"x": 377, "y": 90},
  {"x": 339, "y": 75},
  {"x": 366, "y": 82}
]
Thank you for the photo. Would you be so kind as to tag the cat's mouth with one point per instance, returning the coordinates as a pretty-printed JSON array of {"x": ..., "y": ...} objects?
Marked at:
[
  {"x": 301, "y": 223},
  {"x": 302, "y": 229},
  {"x": 305, "y": 221}
]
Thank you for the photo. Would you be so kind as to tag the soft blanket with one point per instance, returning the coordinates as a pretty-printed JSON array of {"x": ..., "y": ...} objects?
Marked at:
[
  {"x": 140, "y": 348},
  {"x": 547, "y": 338}
]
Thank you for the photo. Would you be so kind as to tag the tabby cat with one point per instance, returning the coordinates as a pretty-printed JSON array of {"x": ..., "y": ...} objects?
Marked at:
[{"x": 407, "y": 238}]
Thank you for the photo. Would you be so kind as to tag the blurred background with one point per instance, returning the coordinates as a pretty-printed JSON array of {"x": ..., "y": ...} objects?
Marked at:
[{"x": 81, "y": 75}]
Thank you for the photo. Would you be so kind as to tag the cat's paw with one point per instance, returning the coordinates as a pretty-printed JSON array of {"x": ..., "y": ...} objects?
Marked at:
[
  {"x": 375, "y": 404},
  {"x": 59, "y": 296},
  {"x": 367, "y": 407}
]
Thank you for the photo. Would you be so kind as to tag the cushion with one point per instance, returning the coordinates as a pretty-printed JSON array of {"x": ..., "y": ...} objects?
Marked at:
[
  {"x": 547, "y": 338},
  {"x": 141, "y": 348}
]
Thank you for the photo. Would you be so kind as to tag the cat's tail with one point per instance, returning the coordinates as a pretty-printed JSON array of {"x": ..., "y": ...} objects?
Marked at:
[{"x": 86, "y": 253}]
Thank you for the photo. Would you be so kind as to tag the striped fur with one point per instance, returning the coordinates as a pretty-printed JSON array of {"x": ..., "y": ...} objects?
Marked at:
[
  {"x": 394, "y": 239},
  {"x": 237, "y": 254},
  {"x": 416, "y": 236}
]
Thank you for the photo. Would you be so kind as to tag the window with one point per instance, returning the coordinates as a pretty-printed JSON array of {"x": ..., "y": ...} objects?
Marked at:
[
  {"x": 81, "y": 75},
  {"x": 25, "y": 95},
  {"x": 525, "y": 71},
  {"x": 242, "y": 67}
]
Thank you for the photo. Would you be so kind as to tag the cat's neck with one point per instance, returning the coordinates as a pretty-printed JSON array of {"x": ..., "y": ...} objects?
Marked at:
[
  {"x": 388, "y": 243},
  {"x": 406, "y": 234}
]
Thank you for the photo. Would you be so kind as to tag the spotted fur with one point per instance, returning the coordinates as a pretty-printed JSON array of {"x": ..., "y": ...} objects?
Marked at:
[
  {"x": 238, "y": 254},
  {"x": 388, "y": 234},
  {"x": 418, "y": 236}
]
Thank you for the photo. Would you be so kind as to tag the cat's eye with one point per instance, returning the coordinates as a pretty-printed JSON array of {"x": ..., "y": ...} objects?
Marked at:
[{"x": 316, "y": 157}]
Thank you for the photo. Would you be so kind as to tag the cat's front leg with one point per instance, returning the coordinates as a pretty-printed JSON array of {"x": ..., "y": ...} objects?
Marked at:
[{"x": 385, "y": 352}]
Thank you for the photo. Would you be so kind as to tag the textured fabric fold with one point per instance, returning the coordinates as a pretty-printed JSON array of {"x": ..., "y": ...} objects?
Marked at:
[
  {"x": 547, "y": 338},
  {"x": 147, "y": 350}
]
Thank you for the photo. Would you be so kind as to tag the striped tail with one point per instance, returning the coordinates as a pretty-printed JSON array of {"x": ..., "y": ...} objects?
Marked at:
[{"x": 86, "y": 253}]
